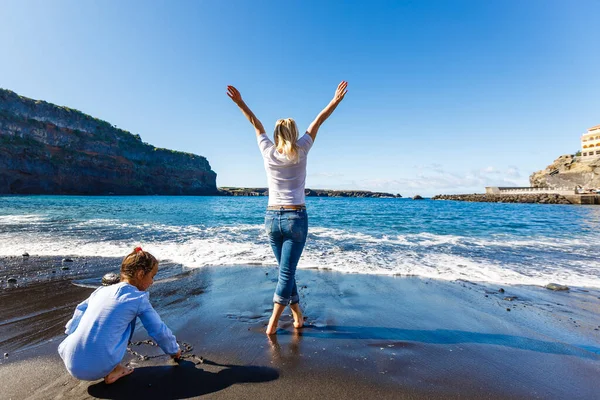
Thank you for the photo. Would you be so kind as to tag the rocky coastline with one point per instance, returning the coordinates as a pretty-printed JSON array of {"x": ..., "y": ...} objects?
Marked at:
[
  {"x": 231, "y": 191},
  {"x": 542, "y": 198},
  {"x": 49, "y": 149},
  {"x": 568, "y": 171}
]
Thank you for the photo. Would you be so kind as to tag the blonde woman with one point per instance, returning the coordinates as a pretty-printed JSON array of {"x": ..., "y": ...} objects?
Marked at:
[{"x": 286, "y": 220}]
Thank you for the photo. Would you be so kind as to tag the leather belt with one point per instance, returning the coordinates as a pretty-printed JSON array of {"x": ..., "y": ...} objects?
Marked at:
[{"x": 279, "y": 208}]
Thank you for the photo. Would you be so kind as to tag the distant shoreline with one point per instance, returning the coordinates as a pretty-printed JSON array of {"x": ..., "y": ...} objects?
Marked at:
[
  {"x": 235, "y": 191},
  {"x": 541, "y": 198}
]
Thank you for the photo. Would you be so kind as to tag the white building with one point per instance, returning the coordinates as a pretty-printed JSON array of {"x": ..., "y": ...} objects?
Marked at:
[{"x": 590, "y": 144}]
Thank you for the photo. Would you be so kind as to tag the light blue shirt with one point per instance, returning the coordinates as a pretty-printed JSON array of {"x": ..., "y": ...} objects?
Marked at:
[{"x": 102, "y": 326}]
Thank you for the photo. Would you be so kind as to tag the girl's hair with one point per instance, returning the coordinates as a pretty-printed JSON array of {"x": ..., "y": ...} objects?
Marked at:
[
  {"x": 137, "y": 260},
  {"x": 286, "y": 135}
]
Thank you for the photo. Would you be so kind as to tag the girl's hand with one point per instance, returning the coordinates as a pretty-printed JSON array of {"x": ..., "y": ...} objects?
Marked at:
[
  {"x": 234, "y": 94},
  {"x": 340, "y": 91},
  {"x": 177, "y": 356}
]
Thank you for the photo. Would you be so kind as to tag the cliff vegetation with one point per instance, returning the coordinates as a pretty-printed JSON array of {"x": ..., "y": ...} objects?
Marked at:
[{"x": 49, "y": 149}]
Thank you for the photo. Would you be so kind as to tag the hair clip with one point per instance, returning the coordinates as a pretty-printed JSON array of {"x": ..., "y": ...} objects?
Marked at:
[{"x": 138, "y": 249}]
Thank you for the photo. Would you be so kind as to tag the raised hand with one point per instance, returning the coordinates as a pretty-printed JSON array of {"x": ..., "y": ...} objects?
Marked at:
[
  {"x": 341, "y": 91},
  {"x": 234, "y": 94}
]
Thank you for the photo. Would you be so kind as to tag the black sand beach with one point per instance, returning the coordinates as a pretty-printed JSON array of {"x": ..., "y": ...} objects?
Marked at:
[{"x": 366, "y": 337}]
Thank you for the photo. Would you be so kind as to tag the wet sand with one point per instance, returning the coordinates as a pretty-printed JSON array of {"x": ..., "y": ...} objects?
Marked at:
[{"x": 365, "y": 337}]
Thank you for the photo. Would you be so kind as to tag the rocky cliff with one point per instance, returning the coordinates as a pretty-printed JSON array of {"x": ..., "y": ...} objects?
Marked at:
[
  {"x": 568, "y": 171},
  {"x": 48, "y": 149}
]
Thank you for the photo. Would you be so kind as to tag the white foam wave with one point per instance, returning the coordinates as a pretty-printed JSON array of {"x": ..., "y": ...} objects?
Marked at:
[
  {"x": 21, "y": 219},
  {"x": 424, "y": 254}
]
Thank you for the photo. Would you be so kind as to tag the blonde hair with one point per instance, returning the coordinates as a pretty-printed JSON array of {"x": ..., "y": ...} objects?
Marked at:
[
  {"x": 137, "y": 260},
  {"x": 286, "y": 136}
]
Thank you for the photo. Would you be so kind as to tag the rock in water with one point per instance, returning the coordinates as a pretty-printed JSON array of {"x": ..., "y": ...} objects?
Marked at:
[
  {"x": 417, "y": 197},
  {"x": 26, "y": 254},
  {"x": 67, "y": 260},
  {"x": 110, "y": 279},
  {"x": 11, "y": 280},
  {"x": 556, "y": 287}
]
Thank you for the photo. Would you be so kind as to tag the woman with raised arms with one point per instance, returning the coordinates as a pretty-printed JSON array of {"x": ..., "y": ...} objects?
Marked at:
[{"x": 286, "y": 220}]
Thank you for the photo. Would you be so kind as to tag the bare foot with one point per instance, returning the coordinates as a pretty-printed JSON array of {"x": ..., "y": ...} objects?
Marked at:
[
  {"x": 272, "y": 327},
  {"x": 274, "y": 320},
  {"x": 117, "y": 373},
  {"x": 298, "y": 317}
]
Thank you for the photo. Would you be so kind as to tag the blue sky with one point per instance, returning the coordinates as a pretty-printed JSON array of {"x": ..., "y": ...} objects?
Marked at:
[{"x": 444, "y": 96}]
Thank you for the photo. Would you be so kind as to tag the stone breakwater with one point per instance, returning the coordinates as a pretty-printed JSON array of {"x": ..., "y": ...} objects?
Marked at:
[
  {"x": 49, "y": 149},
  {"x": 506, "y": 198},
  {"x": 229, "y": 191}
]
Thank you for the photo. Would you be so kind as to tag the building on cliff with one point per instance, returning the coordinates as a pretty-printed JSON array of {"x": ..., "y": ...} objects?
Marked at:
[{"x": 590, "y": 144}]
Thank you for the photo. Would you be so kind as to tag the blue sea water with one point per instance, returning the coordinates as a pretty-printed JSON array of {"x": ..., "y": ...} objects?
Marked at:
[{"x": 489, "y": 242}]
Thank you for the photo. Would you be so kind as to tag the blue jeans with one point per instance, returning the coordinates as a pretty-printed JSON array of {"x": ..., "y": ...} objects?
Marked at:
[{"x": 287, "y": 230}]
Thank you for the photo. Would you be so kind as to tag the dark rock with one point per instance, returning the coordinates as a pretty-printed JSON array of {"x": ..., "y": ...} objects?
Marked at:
[
  {"x": 110, "y": 279},
  {"x": 510, "y": 298},
  {"x": 64, "y": 268},
  {"x": 26, "y": 254},
  {"x": 5, "y": 355},
  {"x": 48, "y": 149},
  {"x": 11, "y": 280},
  {"x": 508, "y": 309},
  {"x": 505, "y": 198},
  {"x": 67, "y": 260},
  {"x": 417, "y": 197},
  {"x": 501, "y": 290},
  {"x": 556, "y": 287}
]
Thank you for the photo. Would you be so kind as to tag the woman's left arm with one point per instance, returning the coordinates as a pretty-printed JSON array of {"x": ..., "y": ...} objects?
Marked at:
[{"x": 235, "y": 95}]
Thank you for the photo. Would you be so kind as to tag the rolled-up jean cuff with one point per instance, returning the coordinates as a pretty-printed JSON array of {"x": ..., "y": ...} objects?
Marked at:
[{"x": 283, "y": 301}]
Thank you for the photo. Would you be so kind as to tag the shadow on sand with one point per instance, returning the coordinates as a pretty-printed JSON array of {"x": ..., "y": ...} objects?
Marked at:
[
  {"x": 180, "y": 382},
  {"x": 446, "y": 336}
]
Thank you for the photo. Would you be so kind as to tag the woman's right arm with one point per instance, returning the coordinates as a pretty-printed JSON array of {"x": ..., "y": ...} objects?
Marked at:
[
  {"x": 235, "y": 95},
  {"x": 327, "y": 111}
]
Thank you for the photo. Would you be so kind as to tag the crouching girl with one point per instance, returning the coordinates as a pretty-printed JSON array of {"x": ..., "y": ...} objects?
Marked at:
[{"x": 102, "y": 325}]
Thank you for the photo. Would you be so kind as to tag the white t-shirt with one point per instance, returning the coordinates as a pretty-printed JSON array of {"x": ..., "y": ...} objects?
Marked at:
[{"x": 286, "y": 178}]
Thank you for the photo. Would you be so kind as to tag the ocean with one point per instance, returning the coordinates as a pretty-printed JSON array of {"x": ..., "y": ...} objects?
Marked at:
[{"x": 531, "y": 244}]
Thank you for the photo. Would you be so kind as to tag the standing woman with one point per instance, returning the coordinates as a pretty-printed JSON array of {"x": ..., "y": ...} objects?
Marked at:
[{"x": 286, "y": 220}]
